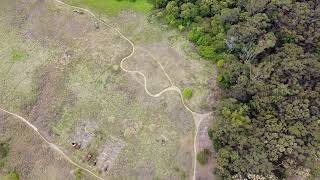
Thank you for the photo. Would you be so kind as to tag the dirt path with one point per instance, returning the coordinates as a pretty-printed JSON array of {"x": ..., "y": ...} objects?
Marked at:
[
  {"x": 53, "y": 146},
  {"x": 198, "y": 117}
]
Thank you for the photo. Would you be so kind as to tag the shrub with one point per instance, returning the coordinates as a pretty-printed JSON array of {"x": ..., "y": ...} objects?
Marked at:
[
  {"x": 215, "y": 140},
  {"x": 220, "y": 63},
  {"x": 160, "y": 14},
  {"x": 4, "y": 149},
  {"x": 181, "y": 28},
  {"x": 195, "y": 34},
  {"x": 187, "y": 93},
  {"x": 207, "y": 51},
  {"x": 203, "y": 156},
  {"x": 203, "y": 40}
]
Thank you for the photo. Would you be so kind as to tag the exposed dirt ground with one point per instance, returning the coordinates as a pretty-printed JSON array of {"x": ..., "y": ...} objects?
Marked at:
[
  {"x": 62, "y": 73},
  {"x": 205, "y": 172}
]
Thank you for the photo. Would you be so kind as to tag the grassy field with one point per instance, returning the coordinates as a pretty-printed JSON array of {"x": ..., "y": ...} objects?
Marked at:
[
  {"x": 63, "y": 75},
  {"x": 113, "y": 7}
]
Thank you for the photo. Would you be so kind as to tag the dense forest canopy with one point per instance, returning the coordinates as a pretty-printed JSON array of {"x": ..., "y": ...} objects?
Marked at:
[{"x": 268, "y": 55}]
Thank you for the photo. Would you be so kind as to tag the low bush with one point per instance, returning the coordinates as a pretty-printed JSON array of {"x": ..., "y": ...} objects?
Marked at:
[
  {"x": 203, "y": 156},
  {"x": 187, "y": 93}
]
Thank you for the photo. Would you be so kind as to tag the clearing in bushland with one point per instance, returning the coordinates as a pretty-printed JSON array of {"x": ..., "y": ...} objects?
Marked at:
[{"x": 60, "y": 70}]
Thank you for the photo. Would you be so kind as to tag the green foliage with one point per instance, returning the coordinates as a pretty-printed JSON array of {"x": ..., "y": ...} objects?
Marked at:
[
  {"x": 267, "y": 53},
  {"x": 217, "y": 144},
  {"x": 187, "y": 93},
  {"x": 220, "y": 78},
  {"x": 203, "y": 156},
  {"x": 230, "y": 15},
  {"x": 161, "y": 3},
  {"x": 188, "y": 11},
  {"x": 181, "y": 28},
  {"x": 237, "y": 118},
  {"x": 195, "y": 34},
  {"x": 206, "y": 51},
  {"x": 315, "y": 170},
  {"x": 209, "y": 37},
  {"x": 284, "y": 125},
  {"x": 220, "y": 63},
  {"x": 11, "y": 176}
]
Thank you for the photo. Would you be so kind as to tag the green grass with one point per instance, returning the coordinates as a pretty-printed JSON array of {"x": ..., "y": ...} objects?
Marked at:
[
  {"x": 187, "y": 93},
  {"x": 113, "y": 7},
  {"x": 11, "y": 176}
]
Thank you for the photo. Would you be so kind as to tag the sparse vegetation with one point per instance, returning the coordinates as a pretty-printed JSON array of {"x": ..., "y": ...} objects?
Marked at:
[
  {"x": 182, "y": 173},
  {"x": 17, "y": 55},
  {"x": 78, "y": 174},
  {"x": 11, "y": 176},
  {"x": 4, "y": 149},
  {"x": 203, "y": 156}
]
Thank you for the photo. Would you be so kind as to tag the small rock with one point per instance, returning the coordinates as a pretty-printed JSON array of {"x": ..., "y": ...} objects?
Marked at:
[
  {"x": 163, "y": 142},
  {"x": 76, "y": 145},
  {"x": 78, "y": 11},
  {"x": 106, "y": 168},
  {"x": 96, "y": 25},
  {"x": 88, "y": 157}
]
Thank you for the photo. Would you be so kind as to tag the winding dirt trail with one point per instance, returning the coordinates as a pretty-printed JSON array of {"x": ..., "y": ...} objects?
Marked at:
[
  {"x": 198, "y": 117},
  {"x": 53, "y": 146}
]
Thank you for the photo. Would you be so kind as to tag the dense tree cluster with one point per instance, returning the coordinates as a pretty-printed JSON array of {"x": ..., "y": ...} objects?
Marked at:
[{"x": 268, "y": 54}]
